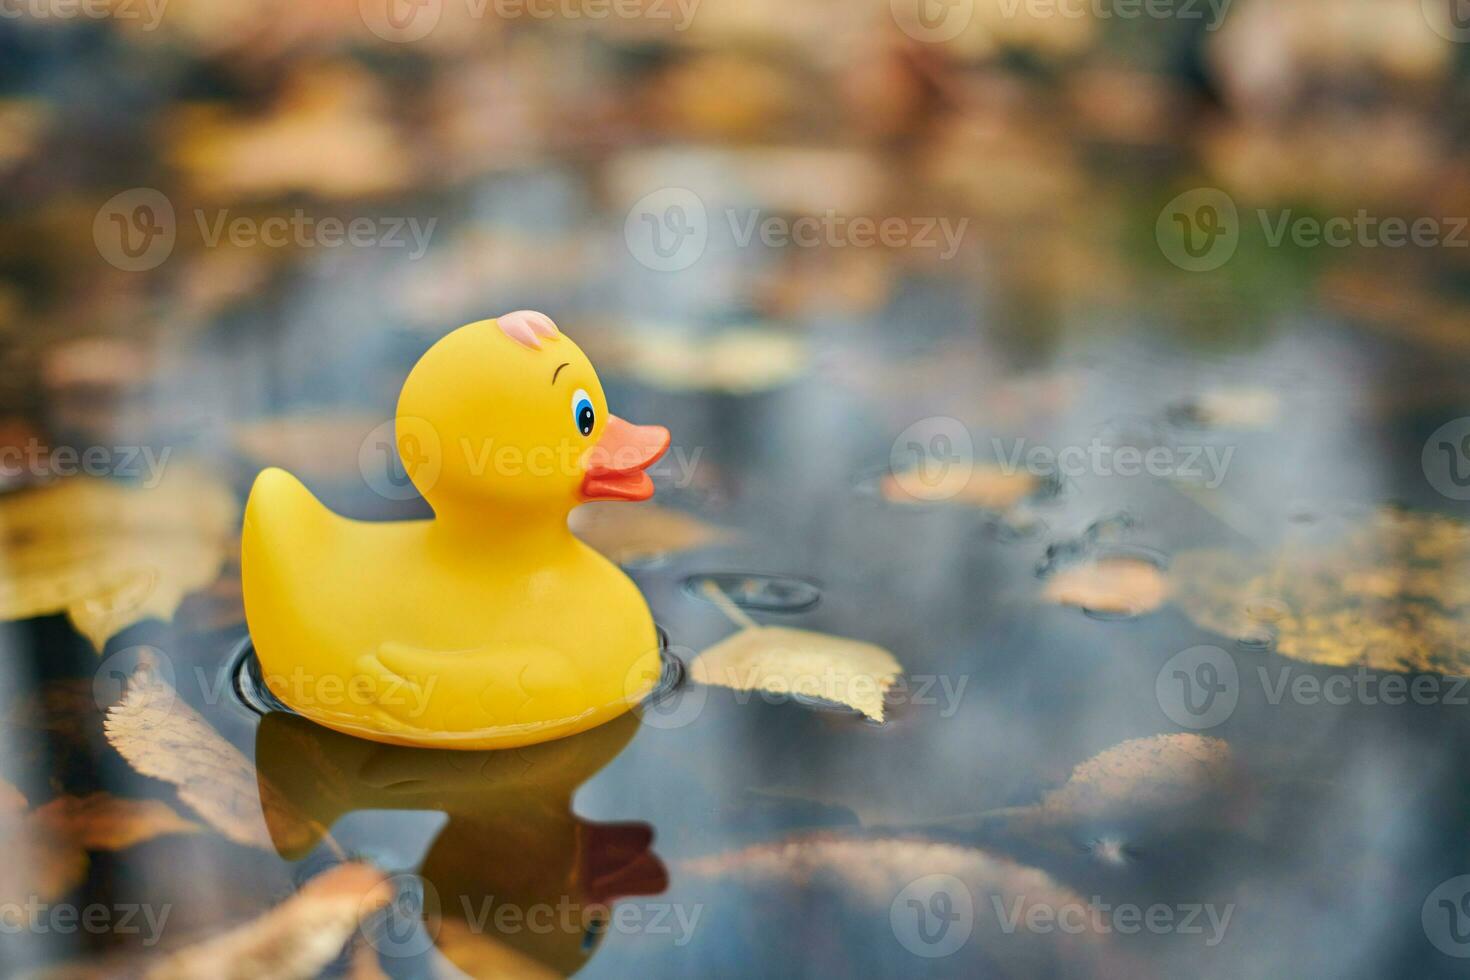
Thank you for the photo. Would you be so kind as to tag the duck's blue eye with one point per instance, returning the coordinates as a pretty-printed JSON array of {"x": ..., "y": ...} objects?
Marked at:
[{"x": 582, "y": 412}]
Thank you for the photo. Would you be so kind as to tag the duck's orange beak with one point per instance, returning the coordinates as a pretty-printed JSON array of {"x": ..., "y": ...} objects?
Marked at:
[{"x": 615, "y": 466}]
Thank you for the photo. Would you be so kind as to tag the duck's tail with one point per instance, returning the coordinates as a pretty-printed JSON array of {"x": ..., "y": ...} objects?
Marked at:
[{"x": 285, "y": 528}]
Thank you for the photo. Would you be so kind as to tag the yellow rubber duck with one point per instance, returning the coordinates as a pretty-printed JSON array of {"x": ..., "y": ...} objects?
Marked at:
[{"x": 489, "y": 625}]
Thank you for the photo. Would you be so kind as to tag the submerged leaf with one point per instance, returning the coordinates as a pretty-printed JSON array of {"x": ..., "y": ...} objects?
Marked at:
[
  {"x": 296, "y": 939},
  {"x": 163, "y": 737},
  {"x": 109, "y": 554},
  {"x": 103, "y": 822},
  {"x": 738, "y": 361},
  {"x": 802, "y": 662},
  {"x": 626, "y": 532},
  {"x": 1159, "y": 772},
  {"x": 1123, "y": 586},
  {"x": 316, "y": 446},
  {"x": 1388, "y": 592}
]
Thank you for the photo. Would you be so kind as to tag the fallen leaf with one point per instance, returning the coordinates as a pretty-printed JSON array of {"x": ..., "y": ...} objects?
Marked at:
[
  {"x": 782, "y": 660},
  {"x": 327, "y": 136},
  {"x": 296, "y": 939},
  {"x": 161, "y": 736},
  {"x": 1159, "y": 772},
  {"x": 12, "y": 800},
  {"x": 987, "y": 487},
  {"x": 320, "y": 446},
  {"x": 627, "y": 531},
  {"x": 102, "y": 822},
  {"x": 109, "y": 554},
  {"x": 737, "y": 361},
  {"x": 1121, "y": 586},
  {"x": 1386, "y": 590}
]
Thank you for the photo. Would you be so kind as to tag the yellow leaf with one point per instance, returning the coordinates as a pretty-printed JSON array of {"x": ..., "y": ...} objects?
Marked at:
[
  {"x": 102, "y": 822},
  {"x": 1386, "y": 590},
  {"x": 782, "y": 660},
  {"x": 1125, "y": 586},
  {"x": 627, "y": 531},
  {"x": 987, "y": 487},
  {"x": 161, "y": 736},
  {"x": 296, "y": 939},
  {"x": 110, "y": 554}
]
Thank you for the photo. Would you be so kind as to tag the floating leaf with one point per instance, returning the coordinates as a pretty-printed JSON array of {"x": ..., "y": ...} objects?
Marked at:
[
  {"x": 110, "y": 554},
  {"x": 163, "y": 737},
  {"x": 327, "y": 136},
  {"x": 988, "y": 487},
  {"x": 627, "y": 531},
  {"x": 782, "y": 660},
  {"x": 321, "y": 446},
  {"x": 296, "y": 939},
  {"x": 1121, "y": 586},
  {"x": 738, "y": 361},
  {"x": 1387, "y": 591},
  {"x": 12, "y": 800},
  {"x": 102, "y": 822}
]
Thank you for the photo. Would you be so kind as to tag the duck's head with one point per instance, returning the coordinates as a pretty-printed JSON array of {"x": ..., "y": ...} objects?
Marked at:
[{"x": 510, "y": 411}]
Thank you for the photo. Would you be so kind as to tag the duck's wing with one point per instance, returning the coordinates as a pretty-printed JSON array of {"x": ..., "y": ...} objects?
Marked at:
[{"x": 474, "y": 689}]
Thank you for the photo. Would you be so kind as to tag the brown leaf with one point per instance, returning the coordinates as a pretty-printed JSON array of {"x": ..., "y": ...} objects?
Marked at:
[
  {"x": 296, "y": 939},
  {"x": 626, "y": 531},
  {"x": 737, "y": 361},
  {"x": 163, "y": 737},
  {"x": 321, "y": 446},
  {"x": 110, "y": 555},
  {"x": 1124, "y": 586},
  {"x": 102, "y": 822},
  {"x": 782, "y": 660}
]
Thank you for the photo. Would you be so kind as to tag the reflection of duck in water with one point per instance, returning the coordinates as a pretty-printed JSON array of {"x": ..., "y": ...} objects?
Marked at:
[{"x": 515, "y": 873}]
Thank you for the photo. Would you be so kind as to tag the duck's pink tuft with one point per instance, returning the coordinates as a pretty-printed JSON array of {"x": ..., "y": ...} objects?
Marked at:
[{"x": 527, "y": 327}]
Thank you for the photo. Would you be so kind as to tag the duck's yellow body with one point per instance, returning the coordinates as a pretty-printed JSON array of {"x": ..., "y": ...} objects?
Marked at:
[{"x": 489, "y": 625}]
